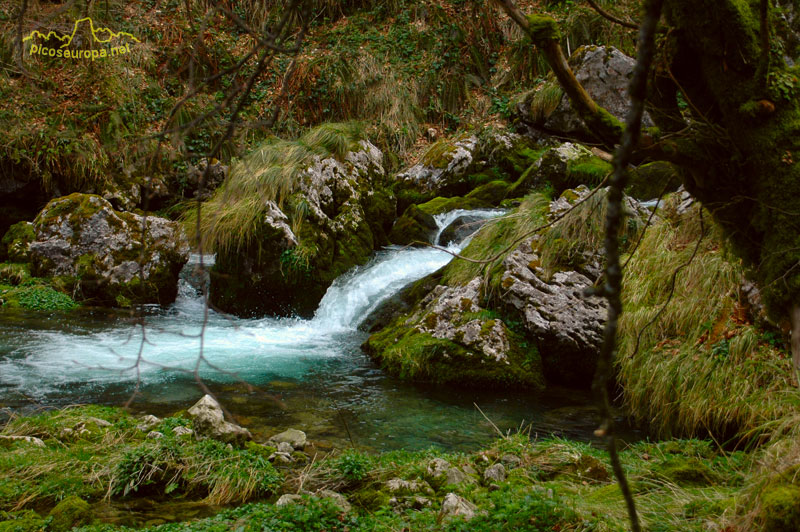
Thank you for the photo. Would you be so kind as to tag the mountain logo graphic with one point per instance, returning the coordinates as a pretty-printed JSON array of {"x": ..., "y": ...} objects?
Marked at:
[{"x": 100, "y": 35}]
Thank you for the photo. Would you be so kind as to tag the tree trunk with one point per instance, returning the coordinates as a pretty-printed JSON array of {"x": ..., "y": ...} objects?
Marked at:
[{"x": 795, "y": 317}]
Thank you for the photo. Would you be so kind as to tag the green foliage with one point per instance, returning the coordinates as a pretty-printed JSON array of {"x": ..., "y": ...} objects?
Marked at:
[
  {"x": 353, "y": 466},
  {"x": 44, "y": 298}
]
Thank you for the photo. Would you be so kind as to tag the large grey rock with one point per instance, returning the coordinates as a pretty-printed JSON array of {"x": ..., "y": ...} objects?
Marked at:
[
  {"x": 209, "y": 421},
  {"x": 557, "y": 315},
  {"x": 214, "y": 175},
  {"x": 104, "y": 254},
  {"x": 605, "y": 73},
  {"x": 449, "y": 165},
  {"x": 456, "y": 506},
  {"x": 460, "y": 341}
]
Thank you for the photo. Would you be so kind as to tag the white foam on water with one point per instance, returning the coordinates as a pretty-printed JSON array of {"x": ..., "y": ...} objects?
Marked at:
[{"x": 39, "y": 360}]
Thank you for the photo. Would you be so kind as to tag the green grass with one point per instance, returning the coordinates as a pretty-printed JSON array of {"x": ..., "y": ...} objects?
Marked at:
[
  {"x": 697, "y": 369},
  {"x": 495, "y": 236},
  {"x": 231, "y": 219},
  {"x": 91, "y": 461}
]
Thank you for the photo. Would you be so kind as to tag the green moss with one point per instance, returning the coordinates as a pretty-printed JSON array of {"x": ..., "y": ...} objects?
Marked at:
[
  {"x": 415, "y": 225},
  {"x": 26, "y": 521},
  {"x": 439, "y": 154},
  {"x": 542, "y": 29},
  {"x": 14, "y": 245},
  {"x": 492, "y": 193},
  {"x": 686, "y": 472},
  {"x": 780, "y": 508},
  {"x": 69, "y": 513},
  {"x": 439, "y": 205}
]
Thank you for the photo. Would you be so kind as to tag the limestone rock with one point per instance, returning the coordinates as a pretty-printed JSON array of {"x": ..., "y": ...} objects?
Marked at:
[
  {"x": 459, "y": 340},
  {"x": 285, "y": 447},
  {"x": 147, "y": 422},
  {"x": 154, "y": 435},
  {"x": 182, "y": 431},
  {"x": 101, "y": 252},
  {"x": 338, "y": 499},
  {"x": 33, "y": 440},
  {"x": 209, "y": 421},
  {"x": 604, "y": 72},
  {"x": 565, "y": 324},
  {"x": 495, "y": 473},
  {"x": 347, "y": 211},
  {"x": 289, "y": 498},
  {"x": 511, "y": 461},
  {"x": 102, "y": 423},
  {"x": 453, "y": 167},
  {"x": 399, "y": 487},
  {"x": 456, "y": 506},
  {"x": 295, "y": 438}
]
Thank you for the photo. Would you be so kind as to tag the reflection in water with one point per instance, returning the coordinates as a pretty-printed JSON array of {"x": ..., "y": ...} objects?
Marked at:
[{"x": 308, "y": 374}]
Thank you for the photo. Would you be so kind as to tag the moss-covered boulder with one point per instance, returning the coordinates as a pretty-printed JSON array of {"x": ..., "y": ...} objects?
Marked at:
[
  {"x": 336, "y": 210},
  {"x": 454, "y": 167},
  {"x": 415, "y": 225},
  {"x": 449, "y": 338},
  {"x": 439, "y": 205},
  {"x": 105, "y": 256},
  {"x": 69, "y": 513},
  {"x": 649, "y": 180},
  {"x": 563, "y": 167},
  {"x": 492, "y": 192},
  {"x": 16, "y": 242}
]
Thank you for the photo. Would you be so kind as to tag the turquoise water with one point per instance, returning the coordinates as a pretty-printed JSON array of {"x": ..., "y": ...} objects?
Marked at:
[{"x": 272, "y": 373}]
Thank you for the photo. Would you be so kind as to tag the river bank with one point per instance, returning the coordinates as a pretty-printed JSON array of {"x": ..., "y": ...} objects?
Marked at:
[{"x": 130, "y": 477}]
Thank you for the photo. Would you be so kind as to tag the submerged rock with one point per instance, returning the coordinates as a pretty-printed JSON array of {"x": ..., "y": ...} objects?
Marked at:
[
  {"x": 102, "y": 255},
  {"x": 209, "y": 421},
  {"x": 461, "y": 228}
]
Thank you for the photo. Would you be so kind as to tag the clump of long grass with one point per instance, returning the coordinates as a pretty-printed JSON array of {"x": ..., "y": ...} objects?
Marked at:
[
  {"x": 686, "y": 365},
  {"x": 495, "y": 236},
  {"x": 579, "y": 235},
  {"x": 231, "y": 218}
]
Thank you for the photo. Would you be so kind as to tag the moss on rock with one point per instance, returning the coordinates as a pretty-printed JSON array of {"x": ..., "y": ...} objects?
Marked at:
[
  {"x": 440, "y": 205},
  {"x": 414, "y": 225},
  {"x": 69, "y": 513}
]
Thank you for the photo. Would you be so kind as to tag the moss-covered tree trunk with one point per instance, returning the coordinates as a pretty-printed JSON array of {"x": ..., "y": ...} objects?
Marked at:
[{"x": 746, "y": 146}]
